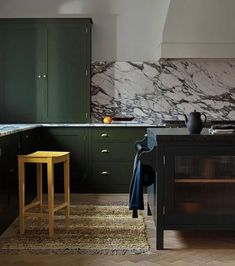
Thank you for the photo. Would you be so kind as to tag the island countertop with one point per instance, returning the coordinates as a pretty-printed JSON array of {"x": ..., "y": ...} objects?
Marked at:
[{"x": 181, "y": 136}]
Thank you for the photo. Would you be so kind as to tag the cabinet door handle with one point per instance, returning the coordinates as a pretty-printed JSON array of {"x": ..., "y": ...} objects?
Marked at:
[
  {"x": 105, "y": 151},
  {"x": 39, "y": 76},
  {"x": 105, "y": 173},
  {"x": 145, "y": 135},
  {"x": 44, "y": 76},
  {"x": 104, "y": 135}
]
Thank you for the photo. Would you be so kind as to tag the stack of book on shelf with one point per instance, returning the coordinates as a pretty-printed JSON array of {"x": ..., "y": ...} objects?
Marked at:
[{"x": 222, "y": 129}]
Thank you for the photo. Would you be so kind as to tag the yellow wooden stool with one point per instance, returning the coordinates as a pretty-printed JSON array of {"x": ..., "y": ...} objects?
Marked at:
[{"x": 50, "y": 158}]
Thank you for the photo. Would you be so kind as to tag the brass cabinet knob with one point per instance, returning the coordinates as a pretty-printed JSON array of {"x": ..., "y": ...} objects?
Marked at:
[
  {"x": 105, "y": 173},
  {"x": 105, "y": 151},
  {"x": 104, "y": 135}
]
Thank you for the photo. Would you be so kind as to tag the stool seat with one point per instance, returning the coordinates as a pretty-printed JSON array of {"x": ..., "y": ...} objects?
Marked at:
[
  {"x": 46, "y": 154},
  {"x": 50, "y": 158},
  {"x": 43, "y": 156}
]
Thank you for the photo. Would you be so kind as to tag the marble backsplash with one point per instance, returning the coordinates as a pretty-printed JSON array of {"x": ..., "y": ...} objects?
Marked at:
[{"x": 151, "y": 91}]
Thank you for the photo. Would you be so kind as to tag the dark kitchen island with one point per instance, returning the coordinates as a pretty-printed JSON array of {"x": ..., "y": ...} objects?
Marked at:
[{"x": 195, "y": 180}]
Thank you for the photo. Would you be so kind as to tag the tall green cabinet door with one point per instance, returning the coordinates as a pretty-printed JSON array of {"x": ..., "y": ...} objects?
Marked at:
[
  {"x": 67, "y": 71},
  {"x": 20, "y": 59}
]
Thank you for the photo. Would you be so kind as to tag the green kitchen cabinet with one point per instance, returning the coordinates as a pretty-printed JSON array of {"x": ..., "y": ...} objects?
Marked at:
[
  {"x": 4, "y": 186},
  {"x": 20, "y": 52},
  {"x": 9, "y": 147},
  {"x": 112, "y": 154},
  {"x": 75, "y": 141},
  {"x": 13, "y": 144},
  {"x": 45, "y": 70},
  {"x": 67, "y": 71},
  {"x": 101, "y": 157},
  {"x": 30, "y": 142}
]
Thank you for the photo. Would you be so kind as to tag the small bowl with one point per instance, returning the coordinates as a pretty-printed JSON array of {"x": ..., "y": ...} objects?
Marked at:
[{"x": 123, "y": 118}]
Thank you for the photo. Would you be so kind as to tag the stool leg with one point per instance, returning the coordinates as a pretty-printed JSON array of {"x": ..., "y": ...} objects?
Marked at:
[
  {"x": 21, "y": 173},
  {"x": 50, "y": 181},
  {"x": 39, "y": 185},
  {"x": 66, "y": 192}
]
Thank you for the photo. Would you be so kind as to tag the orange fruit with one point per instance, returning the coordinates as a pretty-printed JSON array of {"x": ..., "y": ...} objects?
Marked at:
[{"x": 107, "y": 119}]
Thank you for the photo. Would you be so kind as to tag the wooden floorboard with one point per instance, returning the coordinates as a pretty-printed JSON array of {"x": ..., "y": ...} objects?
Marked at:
[{"x": 189, "y": 248}]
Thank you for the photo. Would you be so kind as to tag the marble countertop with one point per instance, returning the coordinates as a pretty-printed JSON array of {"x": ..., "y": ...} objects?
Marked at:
[
  {"x": 7, "y": 129},
  {"x": 99, "y": 125}
]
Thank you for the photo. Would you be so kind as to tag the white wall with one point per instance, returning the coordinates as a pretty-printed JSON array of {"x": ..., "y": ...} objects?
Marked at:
[
  {"x": 200, "y": 28},
  {"x": 123, "y": 30},
  {"x": 200, "y": 21}
]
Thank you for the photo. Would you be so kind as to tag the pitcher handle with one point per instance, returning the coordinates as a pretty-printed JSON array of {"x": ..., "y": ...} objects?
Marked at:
[{"x": 204, "y": 118}]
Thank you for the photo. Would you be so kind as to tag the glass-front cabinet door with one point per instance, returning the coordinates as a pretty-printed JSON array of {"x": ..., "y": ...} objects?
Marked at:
[{"x": 200, "y": 185}]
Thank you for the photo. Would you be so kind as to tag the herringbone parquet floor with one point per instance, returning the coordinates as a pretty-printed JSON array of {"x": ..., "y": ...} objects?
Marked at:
[{"x": 181, "y": 248}]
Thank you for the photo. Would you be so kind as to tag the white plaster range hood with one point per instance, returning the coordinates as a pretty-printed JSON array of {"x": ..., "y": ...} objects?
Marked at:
[{"x": 199, "y": 29}]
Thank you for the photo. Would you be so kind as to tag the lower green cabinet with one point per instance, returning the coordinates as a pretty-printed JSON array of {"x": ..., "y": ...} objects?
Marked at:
[
  {"x": 30, "y": 140},
  {"x": 110, "y": 177},
  {"x": 101, "y": 158},
  {"x": 12, "y": 167},
  {"x": 74, "y": 141},
  {"x": 101, "y": 161},
  {"x": 4, "y": 186},
  {"x": 112, "y": 156},
  {"x": 9, "y": 147}
]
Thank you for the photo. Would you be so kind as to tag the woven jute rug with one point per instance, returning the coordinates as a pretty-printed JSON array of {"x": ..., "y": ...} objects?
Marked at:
[{"x": 92, "y": 230}]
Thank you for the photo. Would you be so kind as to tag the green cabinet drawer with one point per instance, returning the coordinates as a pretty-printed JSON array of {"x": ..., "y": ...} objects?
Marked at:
[
  {"x": 110, "y": 151},
  {"x": 65, "y": 131},
  {"x": 111, "y": 173},
  {"x": 118, "y": 134}
]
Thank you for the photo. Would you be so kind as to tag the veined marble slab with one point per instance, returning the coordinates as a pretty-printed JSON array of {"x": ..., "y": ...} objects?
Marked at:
[
  {"x": 101, "y": 125},
  {"x": 7, "y": 129},
  {"x": 166, "y": 90}
]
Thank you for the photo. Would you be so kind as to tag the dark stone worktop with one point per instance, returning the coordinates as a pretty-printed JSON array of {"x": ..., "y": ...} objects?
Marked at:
[{"x": 181, "y": 137}]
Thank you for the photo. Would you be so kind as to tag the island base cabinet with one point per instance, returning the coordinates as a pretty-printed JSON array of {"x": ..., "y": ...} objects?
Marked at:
[
  {"x": 195, "y": 181},
  {"x": 202, "y": 185}
]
